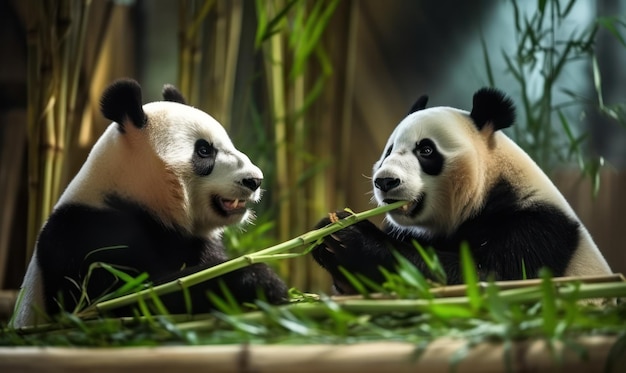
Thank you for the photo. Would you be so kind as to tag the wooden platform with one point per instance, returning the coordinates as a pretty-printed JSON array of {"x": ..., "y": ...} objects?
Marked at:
[{"x": 359, "y": 358}]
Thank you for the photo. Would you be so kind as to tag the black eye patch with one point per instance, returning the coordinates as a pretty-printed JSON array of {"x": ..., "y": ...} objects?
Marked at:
[
  {"x": 389, "y": 149},
  {"x": 429, "y": 157},
  {"x": 203, "y": 159}
]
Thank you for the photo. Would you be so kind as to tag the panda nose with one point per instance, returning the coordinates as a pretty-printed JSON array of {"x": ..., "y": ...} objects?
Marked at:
[
  {"x": 252, "y": 183},
  {"x": 386, "y": 183}
]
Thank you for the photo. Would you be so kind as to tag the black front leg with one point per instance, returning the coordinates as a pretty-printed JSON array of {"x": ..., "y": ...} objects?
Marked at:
[{"x": 361, "y": 248}]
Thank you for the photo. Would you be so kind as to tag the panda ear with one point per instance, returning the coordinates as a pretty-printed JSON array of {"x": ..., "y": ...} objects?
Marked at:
[
  {"x": 420, "y": 104},
  {"x": 492, "y": 106},
  {"x": 171, "y": 93},
  {"x": 121, "y": 101}
]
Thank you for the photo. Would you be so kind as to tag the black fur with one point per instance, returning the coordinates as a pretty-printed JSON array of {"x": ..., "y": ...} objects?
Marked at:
[
  {"x": 171, "y": 93},
  {"x": 492, "y": 106},
  {"x": 420, "y": 104},
  {"x": 429, "y": 157},
  {"x": 503, "y": 237},
  {"x": 76, "y": 236},
  {"x": 122, "y": 100},
  {"x": 203, "y": 159}
]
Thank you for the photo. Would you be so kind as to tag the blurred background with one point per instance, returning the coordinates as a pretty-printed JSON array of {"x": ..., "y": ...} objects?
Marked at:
[{"x": 310, "y": 90}]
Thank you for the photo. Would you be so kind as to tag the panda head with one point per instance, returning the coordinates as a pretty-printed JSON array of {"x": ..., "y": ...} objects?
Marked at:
[
  {"x": 439, "y": 159},
  {"x": 171, "y": 159}
]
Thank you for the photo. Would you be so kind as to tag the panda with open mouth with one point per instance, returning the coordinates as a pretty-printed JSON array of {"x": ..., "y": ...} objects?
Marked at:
[
  {"x": 154, "y": 195},
  {"x": 464, "y": 180}
]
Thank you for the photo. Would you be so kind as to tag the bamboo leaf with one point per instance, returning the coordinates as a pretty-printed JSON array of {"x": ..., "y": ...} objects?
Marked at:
[
  {"x": 494, "y": 303},
  {"x": 597, "y": 80},
  {"x": 568, "y": 8},
  {"x": 433, "y": 263},
  {"x": 490, "y": 79},
  {"x": 611, "y": 25},
  {"x": 470, "y": 277},
  {"x": 412, "y": 275},
  {"x": 266, "y": 29},
  {"x": 548, "y": 304},
  {"x": 158, "y": 305},
  {"x": 354, "y": 282}
]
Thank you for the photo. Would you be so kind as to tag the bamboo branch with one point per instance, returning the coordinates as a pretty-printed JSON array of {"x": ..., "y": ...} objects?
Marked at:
[{"x": 261, "y": 256}]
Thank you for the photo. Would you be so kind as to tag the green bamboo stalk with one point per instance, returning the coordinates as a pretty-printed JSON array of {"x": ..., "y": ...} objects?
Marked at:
[
  {"x": 78, "y": 51},
  {"x": 34, "y": 93},
  {"x": 240, "y": 262},
  {"x": 61, "y": 83},
  {"x": 298, "y": 201},
  {"x": 233, "y": 41},
  {"x": 198, "y": 19},
  {"x": 348, "y": 98},
  {"x": 274, "y": 63},
  {"x": 524, "y": 295},
  {"x": 184, "y": 73},
  {"x": 190, "y": 20},
  {"x": 48, "y": 153}
]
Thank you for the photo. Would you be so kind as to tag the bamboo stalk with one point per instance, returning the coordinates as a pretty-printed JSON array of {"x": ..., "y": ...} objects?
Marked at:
[
  {"x": 56, "y": 38},
  {"x": 298, "y": 187},
  {"x": 240, "y": 262},
  {"x": 184, "y": 52},
  {"x": 61, "y": 81},
  {"x": 346, "y": 114},
  {"x": 33, "y": 117},
  {"x": 232, "y": 55},
  {"x": 274, "y": 63},
  {"x": 510, "y": 292}
]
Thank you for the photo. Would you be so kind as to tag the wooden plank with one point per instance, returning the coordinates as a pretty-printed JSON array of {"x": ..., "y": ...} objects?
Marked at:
[{"x": 531, "y": 356}]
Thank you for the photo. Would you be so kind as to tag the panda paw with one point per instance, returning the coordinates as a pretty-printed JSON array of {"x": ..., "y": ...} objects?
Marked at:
[
  {"x": 359, "y": 248},
  {"x": 257, "y": 281}
]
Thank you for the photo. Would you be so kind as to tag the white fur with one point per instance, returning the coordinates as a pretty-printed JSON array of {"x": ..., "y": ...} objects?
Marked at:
[
  {"x": 152, "y": 166},
  {"x": 30, "y": 295},
  {"x": 474, "y": 162}
]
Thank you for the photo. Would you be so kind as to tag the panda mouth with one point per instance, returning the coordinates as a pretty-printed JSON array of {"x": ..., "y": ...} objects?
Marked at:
[
  {"x": 230, "y": 206},
  {"x": 411, "y": 209}
]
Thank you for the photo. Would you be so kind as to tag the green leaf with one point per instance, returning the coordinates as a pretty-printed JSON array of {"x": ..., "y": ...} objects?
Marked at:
[
  {"x": 432, "y": 262},
  {"x": 470, "y": 277},
  {"x": 548, "y": 303},
  {"x": 495, "y": 304},
  {"x": 611, "y": 25},
  {"x": 412, "y": 275},
  {"x": 158, "y": 305},
  {"x": 487, "y": 61},
  {"x": 266, "y": 29},
  {"x": 354, "y": 281}
]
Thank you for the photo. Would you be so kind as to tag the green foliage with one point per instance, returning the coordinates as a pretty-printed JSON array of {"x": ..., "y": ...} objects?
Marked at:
[
  {"x": 289, "y": 39},
  {"x": 407, "y": 308},
  {"x": 545, "y": 51},
  {"x": 550, "y": 310}
]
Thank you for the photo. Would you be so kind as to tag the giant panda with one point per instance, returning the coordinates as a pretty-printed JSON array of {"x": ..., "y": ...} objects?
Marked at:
[
  {"x": 465, "y": 181},
  {"x": 154, "y": 195}
]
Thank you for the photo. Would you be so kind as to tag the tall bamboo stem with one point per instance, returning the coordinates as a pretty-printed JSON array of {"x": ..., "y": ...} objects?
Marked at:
[
  {"x": 274, "y": 63},
  {"x": 55, "y": 46}
]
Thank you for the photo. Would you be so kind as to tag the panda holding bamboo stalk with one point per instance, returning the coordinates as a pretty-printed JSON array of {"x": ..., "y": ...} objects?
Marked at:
[
  {"x": 465, "y": 182},
  {"x": 153, "y": 196}
]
